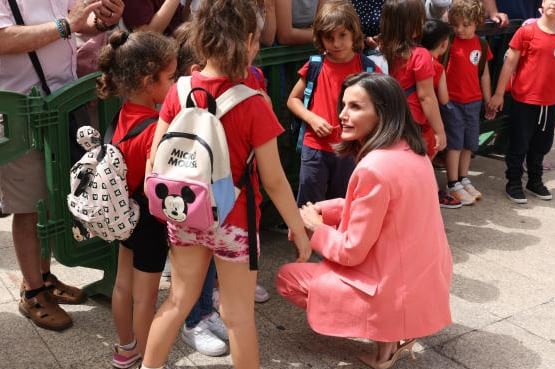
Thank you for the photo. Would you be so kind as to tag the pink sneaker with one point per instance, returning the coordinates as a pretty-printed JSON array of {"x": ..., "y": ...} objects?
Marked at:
[{"x": 124, "y": 359}]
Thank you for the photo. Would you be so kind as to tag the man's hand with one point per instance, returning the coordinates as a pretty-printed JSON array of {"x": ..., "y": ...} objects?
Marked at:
[
  {"x": 110, "y": 12},
  {"x": 80, "y": 12},
  {"x": 501, "y": 19}
]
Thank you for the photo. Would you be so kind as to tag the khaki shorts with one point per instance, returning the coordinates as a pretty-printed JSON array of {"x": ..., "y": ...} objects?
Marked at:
[{"x": 23, "y": 183}]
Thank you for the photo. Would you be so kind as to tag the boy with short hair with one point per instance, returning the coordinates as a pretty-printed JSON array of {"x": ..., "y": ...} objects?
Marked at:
[
  {"x": 529, "y": 63},
  {"x": 467, "y": 89}
]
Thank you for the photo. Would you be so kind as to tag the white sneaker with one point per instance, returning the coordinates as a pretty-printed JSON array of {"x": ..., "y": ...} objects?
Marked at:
[
  {"x": 459, "y": 193},
  {"x": 260, "y": 294},
  {"x": 216, "y": 325},
  {"x": 203, "y": 340},
  {"x": 472, "y": 191}
]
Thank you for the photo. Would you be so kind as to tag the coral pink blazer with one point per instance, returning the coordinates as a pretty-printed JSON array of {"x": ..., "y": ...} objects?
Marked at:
[{"x": 387, "y": 268}]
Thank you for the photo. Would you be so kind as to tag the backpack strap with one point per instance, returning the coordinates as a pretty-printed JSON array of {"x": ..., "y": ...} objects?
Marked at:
[
  {"x": 483, "y": 56},
  {"x": 368, "y": 64},
  {"x": 231, "y": 97},
  {"x": 184, "y": 89},
  {"x": 315, "y": 63},
  {"x": 138, "y": 129}
]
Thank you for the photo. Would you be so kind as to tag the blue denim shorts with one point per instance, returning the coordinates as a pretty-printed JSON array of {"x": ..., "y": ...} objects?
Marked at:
[{"x": 462, "y": 125}]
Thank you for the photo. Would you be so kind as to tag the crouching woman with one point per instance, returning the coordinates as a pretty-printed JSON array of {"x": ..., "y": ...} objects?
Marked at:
[{"x": 387, "y": 266}]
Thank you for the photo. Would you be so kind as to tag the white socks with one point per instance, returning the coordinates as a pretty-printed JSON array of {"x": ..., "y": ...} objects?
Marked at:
[{"x": 145, "y": 367}]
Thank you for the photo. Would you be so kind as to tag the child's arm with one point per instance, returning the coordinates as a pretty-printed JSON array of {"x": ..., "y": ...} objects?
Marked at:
[
  {"x": 485, "y": 83},
  {"x": 509, "y": 67},
  {"x": 162, "y": 18},
  {"x": 161, "y": 128},
  {"x": 442, "y": 91},
  {"x": 268, "y": 34},
  {"x": 295, "y": 103},
  {"x": 286, "y": 34},
  {"x": 276, "y": 186},
  {"x": 428, "y": 101}
]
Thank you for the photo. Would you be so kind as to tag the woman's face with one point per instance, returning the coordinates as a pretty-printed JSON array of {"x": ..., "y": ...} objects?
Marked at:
[{"x": 358, "y": 117}]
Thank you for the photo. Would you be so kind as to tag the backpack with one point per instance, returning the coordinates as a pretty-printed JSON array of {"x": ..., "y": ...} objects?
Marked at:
[
  {"x": 315, "y": 62},
  {"x": 481, "y": 62},
  {"x": 99, "y": 198},
  {"x": 191, "y": 183}
]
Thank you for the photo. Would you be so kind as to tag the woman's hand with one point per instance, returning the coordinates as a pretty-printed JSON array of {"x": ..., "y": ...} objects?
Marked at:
[
  {"x": 110, "y": 12},
  {"x": 311, "y": 215}
]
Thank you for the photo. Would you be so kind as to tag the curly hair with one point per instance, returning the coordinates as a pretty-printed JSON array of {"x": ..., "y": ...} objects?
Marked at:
[
  {"x": 222, "y": 31},
  {"x": 472, "y": 10},
  {"x": 129, "y": 58},
  {"x": 333, "y": 14}
]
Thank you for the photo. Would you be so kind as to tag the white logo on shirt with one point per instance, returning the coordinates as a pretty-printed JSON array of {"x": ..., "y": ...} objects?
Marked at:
[{"x": 475, "y": 56}]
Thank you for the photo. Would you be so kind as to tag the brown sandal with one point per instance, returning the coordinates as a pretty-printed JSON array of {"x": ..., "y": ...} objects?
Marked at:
[
  {"x": 44, "y": 312},
  {"x": 62, "y": 293}
]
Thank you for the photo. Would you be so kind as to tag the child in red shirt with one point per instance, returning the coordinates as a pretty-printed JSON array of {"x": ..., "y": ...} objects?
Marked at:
[
  {"x": 532, "y": 113},
  {"x": 412, "y": 66},
  {"x": 435, "y": 38},
  {"x": 223, "y": 37},
  {"x": 152, "y": 59},
  {"x": 337, "y": 33},
  {"x": 466, "y": 90}
]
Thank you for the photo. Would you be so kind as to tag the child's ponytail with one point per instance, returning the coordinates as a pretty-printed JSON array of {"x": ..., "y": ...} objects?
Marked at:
[
  {"x": 129, "y": 58},
  {"x": 222, "y": 30}
]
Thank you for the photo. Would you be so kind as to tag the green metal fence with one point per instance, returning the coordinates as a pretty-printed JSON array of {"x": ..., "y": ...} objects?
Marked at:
[{"x": 36, "y": 122}]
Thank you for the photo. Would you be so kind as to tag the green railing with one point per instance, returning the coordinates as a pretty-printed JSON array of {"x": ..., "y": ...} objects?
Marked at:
[{"x": 36, "y": 122}]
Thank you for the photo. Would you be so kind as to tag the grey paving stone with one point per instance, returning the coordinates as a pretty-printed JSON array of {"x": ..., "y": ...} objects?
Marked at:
[
  {"x": 539, "y": 320},
  {"x": 21, "y": 346},
  {"x": 500, "y": 346}
]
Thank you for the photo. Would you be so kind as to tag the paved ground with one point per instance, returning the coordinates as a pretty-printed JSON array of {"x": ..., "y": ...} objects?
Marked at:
[{"x": 503, "y": 301}]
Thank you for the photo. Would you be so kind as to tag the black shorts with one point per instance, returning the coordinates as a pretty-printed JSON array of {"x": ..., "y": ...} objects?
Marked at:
[{"x": 149, "y": 241}]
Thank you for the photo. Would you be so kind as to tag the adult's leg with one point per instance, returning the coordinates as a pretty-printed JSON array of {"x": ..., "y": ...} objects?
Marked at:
[
  {"x": 293, "y": 282},
  {"x": 189, "y": 266},
  {"x": 237, "y": 285},
  {"x": 27, "y": 249},
  {"x": 122, "y": 300}
]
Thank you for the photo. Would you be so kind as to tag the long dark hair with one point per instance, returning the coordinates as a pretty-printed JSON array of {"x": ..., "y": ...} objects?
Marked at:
[
  {"x": 401, "y": 26},
  {"x": 395, "y": 120}
]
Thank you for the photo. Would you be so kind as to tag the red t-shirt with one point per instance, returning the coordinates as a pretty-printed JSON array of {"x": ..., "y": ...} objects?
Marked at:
[
  {"x": 255, "y": 79},
  {"x": 325, "y": 98},
  {"x": 463, "y": 81},
  {"x": 533, "y": 82},
  {"x": 137, "y": 149},
  {"x": 438, "y": 71},
  {"x": 250, "y": 124},
  {"x": 418, "y": 67}
]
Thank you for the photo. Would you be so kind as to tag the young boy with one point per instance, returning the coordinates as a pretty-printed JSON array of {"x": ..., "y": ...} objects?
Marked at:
[
  {"x": 531, "y": 58},
  {"x": 337, "y": 32},
  {"x": 435, "y": 38},
  {"x": 467, "y": 88}
]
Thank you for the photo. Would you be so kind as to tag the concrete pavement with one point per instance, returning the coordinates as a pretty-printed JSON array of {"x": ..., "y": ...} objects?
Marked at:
[{"x": 503, "y": 301}]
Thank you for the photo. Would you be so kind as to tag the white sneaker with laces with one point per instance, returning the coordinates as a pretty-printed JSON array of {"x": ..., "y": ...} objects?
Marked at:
[
  {"x": 459, "y": 193},
  {"x": 472, "y": 191},
  {"x": 203, "y": 340},
  {"x": 216, "y": 325},
  {"x": 260, "y": 294}
]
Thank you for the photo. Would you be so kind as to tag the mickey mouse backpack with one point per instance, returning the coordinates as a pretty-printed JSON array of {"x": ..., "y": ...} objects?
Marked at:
[
  {"x": 191, "y": 184},
  {"x": 99, "y": 198}
]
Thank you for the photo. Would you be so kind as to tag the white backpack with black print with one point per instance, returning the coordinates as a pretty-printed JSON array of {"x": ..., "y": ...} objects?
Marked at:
[{"x": 99, "y": 197}]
